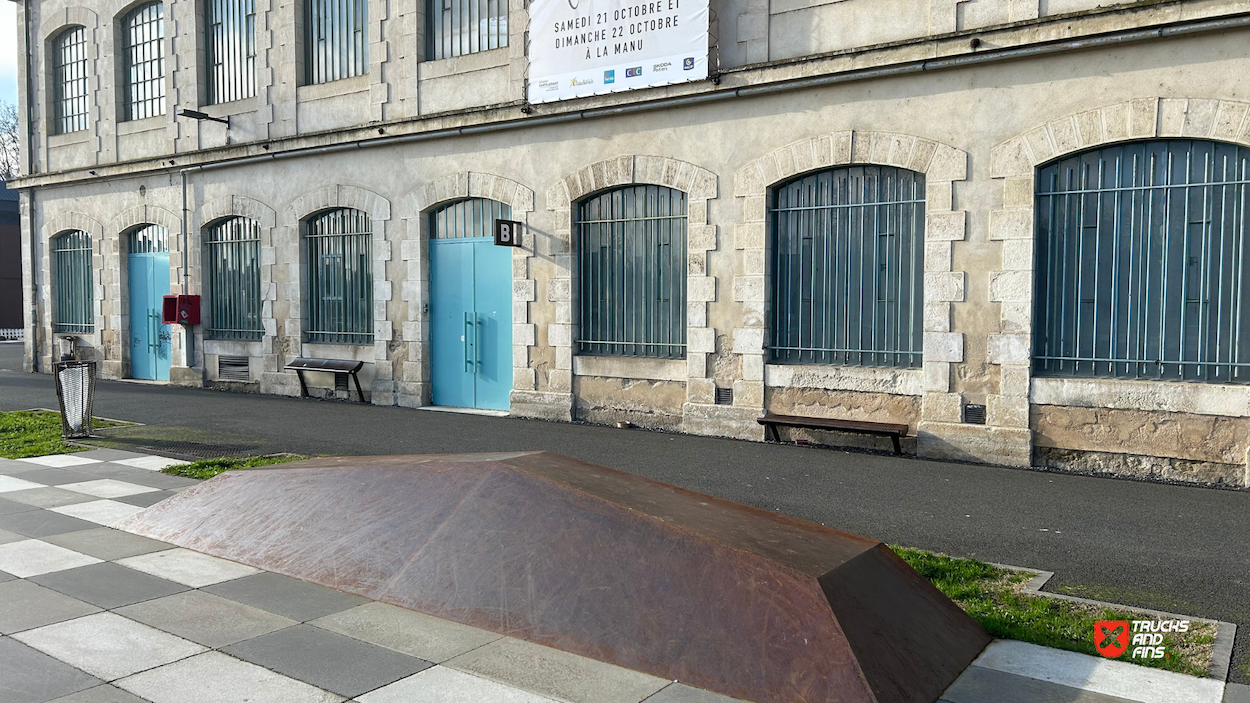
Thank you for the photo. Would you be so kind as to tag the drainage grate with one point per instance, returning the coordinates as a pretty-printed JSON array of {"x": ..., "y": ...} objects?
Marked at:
[
  {"x": 724, "y": 396},
  {"x": 233, "y": 368},
  {"x": 974, "y": 414},
  {"x": 196, "y": 450}
]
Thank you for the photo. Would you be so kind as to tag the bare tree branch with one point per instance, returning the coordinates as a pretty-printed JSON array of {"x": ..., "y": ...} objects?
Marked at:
[{"x": 10, "y": 142}]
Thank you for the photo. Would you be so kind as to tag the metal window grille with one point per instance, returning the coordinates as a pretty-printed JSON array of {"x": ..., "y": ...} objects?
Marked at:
[
  {"x": 340, "y": 277},
  {"x": 234, "y": 368},
  {"x": 149, "y": 239},
  {"x": 335, "y": 41},
  {"x": 75, "y": 309},
  {"x": 1142, "y": 263},
  {"x": 474, "y": 217},
  {"x": 458, "y": 27},
  {"x": 143, "y": 50},
  {"x": 847, "y": 267},
  {"x": 233, "y": 278},
  {"x": 69, "y": 81},
  {"x": 231, "y": 45},
  {"x": 631, "y": 255}
]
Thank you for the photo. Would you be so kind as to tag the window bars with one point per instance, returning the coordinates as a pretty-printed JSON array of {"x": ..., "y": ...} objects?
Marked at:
[
  {"x": 474, "y": 217},
  {"x": 233, "y": 278},
  {"x": 148, "y": 239},
  {"x": 336, "y": 43},
  {"x": 231, "y": 49},
  {"x": 1142, "y": 263},
  {"x": 69, "y": 81},
  {"x": 71, "y": 259},
  {"x": 458, "y": 27},
  {"x": 631, "y": 258},
  {"x": 143, "y": 51},
  {"x": 340, "y": 277},
  {"x": 847, "y": 268}
]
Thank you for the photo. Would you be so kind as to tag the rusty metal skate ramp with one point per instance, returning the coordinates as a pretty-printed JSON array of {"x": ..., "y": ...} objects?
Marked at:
[{"x": 597, "y": 562}]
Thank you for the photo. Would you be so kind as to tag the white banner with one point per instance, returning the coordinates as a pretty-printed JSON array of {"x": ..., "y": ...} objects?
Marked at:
[{"x": 591, "y": 47}]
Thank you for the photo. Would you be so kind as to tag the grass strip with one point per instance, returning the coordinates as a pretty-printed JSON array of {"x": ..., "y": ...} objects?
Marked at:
[
  {"x": 209, "y": 468},
  {"x": 27, "y": 433},
  {"x": 995, "y": 598}
]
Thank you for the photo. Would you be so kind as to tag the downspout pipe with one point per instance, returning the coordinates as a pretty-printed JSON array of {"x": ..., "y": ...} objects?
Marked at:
[{"x": 33, "y": 342}]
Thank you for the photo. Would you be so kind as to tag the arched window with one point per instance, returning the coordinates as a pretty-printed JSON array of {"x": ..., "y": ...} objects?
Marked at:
[
  {"x": 71, "y": 260},
  {"x": 230, "y": 49},
  {"x": 474, "y": 217},
  {"x": 69, "y": 81},
  {"x": 339, "y": 245},
  {"x": 232, "y": 275},
  {"x": 336, "y": 40},
  {"x": 458, "y": 27},
  {"x": 1142, "y": 263},
  {"x": 847, "y": 268},
  {"x": 143, "y": 54},
  {"x": 631, "y": 262}
]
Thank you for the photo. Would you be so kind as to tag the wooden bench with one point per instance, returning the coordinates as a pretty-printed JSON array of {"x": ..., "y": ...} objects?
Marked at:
[
  {"x": 334, "y": 366},
  {"x": 892, "y": 430}
]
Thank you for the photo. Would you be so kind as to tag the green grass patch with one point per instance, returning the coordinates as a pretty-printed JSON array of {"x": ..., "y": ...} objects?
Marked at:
[
  {"x": 995, "y": 598},
  {"x": 36, "y": 433},
  {"x": 209, "y": 468}
]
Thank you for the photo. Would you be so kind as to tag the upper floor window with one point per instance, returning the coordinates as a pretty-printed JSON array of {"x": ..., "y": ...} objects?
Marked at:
[
  {"x": 339, "y": 245},
  {"x": 143, "y": 54},
  {"x": 458, "y": 27},
  {"x": 1142, "y": 263},
  {"x": 847, "y": 268},
  {"x": 631, "y": 263},
  {"x": 69, "y": 81},
  {"x": 232, "y": 272},
  {"x": 336, "y": 41},
  {"x": 230, "y": 49},
  {"x": 72, "y": 276}
]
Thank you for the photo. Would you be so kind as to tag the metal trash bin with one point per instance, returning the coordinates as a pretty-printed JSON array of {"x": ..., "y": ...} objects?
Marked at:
[{"x": 75, "y": 392}]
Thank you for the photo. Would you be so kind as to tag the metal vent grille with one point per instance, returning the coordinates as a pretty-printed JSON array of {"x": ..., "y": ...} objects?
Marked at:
[
  {"x": 974, "y": 414},
  {"x": 340, "y": 382},
  {"x": 724, "y": 396},
  {"x": 233, "y": 368}
]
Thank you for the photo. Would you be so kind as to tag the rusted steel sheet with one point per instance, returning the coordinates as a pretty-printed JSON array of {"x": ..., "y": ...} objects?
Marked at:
[{"x": 594, "y": 561}]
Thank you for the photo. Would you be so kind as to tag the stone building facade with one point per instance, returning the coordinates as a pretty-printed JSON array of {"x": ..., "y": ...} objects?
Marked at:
[{"x": 975, "y": 95}]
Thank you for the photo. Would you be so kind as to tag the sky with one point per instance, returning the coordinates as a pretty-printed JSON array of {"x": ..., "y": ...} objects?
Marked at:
[{"x": 8, "y": 52}]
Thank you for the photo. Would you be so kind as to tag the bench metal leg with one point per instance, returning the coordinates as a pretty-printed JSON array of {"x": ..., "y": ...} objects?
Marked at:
[
  {"x": 361, "y": 394},
  {"x": 898, "y": 447},
  {"x": 770, "y": 433},
  {"x": 303, "y": 388}
]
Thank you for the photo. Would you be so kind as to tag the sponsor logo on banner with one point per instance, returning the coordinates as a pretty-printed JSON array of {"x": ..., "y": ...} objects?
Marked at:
[
  {"x": 609, "y": 77},
  {"x": 633, "y": 72},
  {"x": 1111, "y": 637},
  {"x": 580, "y": 81},
  {"x": 661, "y": 67},
  {"x": 687, "y": 64}
]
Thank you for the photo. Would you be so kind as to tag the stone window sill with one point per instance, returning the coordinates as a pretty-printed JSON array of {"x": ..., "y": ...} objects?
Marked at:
[
  {"x": 480, "y": 61},
  {"x": 862, "y": 379},
  {"x": 321, "y": 91},
  {"x": 69, "y": 138},
  {"x": 146, "y": 124},
  {"x": 1163, "y": 396},
  {"x": 630, "y": 367}
]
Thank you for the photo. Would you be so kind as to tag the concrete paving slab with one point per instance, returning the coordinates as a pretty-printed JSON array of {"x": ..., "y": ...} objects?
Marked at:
[
  {"x": 25, "y": 606},
  {"x": 13, "y": 483},
  {"x": 108, "y": 646},
  {"x": 6, "y": 576},
  {"x": 145, "y": 500},
  {"x": 9, "y": 506},
  {"x": 442, "y": 685},
  {"x": 60, "y": 461},
  {"x": 286, "y": 596},
  {"x": 13, "y": 467},
  {"x": 106, "y": 543},
  {"x": 50, "y": 497},
  {"x": 149, "y": 463},
  {"x": 100, "y": 694},
  {"x": 556, "y": 674},
  {"x": 109, "y": 454},
  {"x": 6, "y": 537},
  {"x": 41, "y": 523},
  {"x": 107, "y": 488},
  {"x": 187, "y": 567},
  {"x": 216, "y": 678},
  {"x": 155, "y": 479},
  {"x": 102, "y": 512},
  {"x": 1112, "y": 678},
  {"x": 326, "y": 660},
  {"x": 29, "y": 676},
  {"x": 108, "y": 585},
  {"x": 681, "y": 693},
  {"x": 980, "y": 685},
  {"x": 415, "y": 634},
  {"x": 1237, "y": 693},
  {"x": 204, "y": 618},
  {"x": 32, "y": 557},
  {"x": 53, "y": 477}
]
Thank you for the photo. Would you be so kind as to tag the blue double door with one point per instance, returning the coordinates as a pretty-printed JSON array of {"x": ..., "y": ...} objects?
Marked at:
[
  {"x": 148, "y": 263},
  {"x": 470, "y": 323}
]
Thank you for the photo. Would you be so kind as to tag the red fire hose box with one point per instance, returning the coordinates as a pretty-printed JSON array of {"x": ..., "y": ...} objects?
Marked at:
[{"x": 180, "y": 310}]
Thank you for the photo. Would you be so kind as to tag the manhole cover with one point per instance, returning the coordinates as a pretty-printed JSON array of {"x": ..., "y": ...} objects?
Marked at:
[{"x": 197, "y": 450}]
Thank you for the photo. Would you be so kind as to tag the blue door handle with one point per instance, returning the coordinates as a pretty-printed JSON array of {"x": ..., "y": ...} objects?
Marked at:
[
  {"x": 469, "y": 331},
  {"x": 478, "y": 322}
]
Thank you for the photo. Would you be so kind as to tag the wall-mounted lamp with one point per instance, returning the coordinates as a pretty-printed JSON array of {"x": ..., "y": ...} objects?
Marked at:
[{"x": 196, "y": 115}]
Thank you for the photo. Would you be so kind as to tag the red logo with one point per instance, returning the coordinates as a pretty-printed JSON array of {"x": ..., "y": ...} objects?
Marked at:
[{"x": 1111, "y": 637}]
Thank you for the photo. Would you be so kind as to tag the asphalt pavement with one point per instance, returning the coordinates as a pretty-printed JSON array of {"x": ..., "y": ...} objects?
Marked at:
[{"x": 1175, "y": 548}]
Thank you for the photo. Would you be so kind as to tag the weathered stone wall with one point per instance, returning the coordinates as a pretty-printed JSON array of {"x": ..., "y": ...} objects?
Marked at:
[{"x": 646, "y": 403}]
